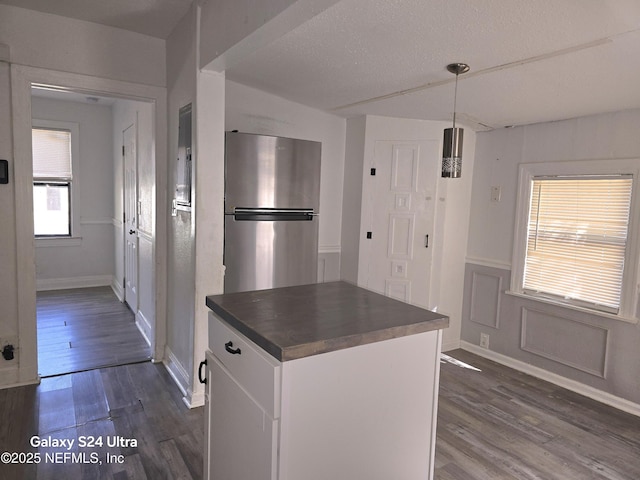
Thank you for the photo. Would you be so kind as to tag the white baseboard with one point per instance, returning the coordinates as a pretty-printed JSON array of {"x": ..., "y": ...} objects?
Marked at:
[
  {"x": 176, "y": 370},
  {"x": 144, "y": 326},
  {"x": 43, "y": 284},
  {"x": 577, "y": 387},
  {"x": 181, "y": 378},
  {"x": 9, "y": 378},
  {"x": 117, "y": 288},
  {"x": 197, "y": 400},
  {"x": 446, "y": 347}
]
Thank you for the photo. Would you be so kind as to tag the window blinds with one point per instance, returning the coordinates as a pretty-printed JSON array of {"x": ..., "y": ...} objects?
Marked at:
[
  {"x": 51, "y": 154},
  {"x": 577, "y": 237}
]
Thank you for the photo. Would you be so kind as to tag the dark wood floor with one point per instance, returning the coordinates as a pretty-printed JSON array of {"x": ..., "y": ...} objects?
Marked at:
[
  {"x": 86, "y": 328},
  {"x": 138, "y": 401},
  {"x": 497, "y": 423},
  {"x": 493, "y": 423}
]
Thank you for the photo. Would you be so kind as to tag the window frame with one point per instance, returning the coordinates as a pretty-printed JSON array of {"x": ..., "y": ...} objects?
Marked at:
[
  {"x": 587, "y": 168},
  {"x": 74, "y": 183}
]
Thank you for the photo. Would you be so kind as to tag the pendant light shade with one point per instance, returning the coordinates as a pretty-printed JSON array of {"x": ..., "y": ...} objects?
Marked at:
[
  {"x": 453, "y": 137},
  {"x": 452, "y": 152}
]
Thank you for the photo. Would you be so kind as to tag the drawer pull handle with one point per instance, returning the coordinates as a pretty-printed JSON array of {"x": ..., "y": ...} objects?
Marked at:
[
  {"x": 233, "y": 351},
  {"x": 200, "y": 377}
]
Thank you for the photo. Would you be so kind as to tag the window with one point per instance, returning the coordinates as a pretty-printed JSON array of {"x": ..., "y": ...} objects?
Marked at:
[
  {"x": 52, "y": 182},
  {"x": 574, "y": 236},
  {"x": 576, "y": 239}
]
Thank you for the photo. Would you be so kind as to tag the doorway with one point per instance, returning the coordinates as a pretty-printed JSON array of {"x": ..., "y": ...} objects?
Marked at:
[
  {"x": 23, "y": 78},
  {"x": 88, "y": 327}
]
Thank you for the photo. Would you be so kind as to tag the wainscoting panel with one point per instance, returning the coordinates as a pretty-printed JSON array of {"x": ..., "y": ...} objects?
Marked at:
[
  {"x": 401, "y": 226},
  {"x": 404, "y": 167},
  {"x": 593, "y": 352},
  {"x": 485, "y": 299},
  {"x": 329, "y": 264},
  {"x": 576, "y": 344},
  {"x": 398, "y": 289}
]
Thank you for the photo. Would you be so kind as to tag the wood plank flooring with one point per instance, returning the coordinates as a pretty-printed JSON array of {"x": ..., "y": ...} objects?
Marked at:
[
  {"x": 137, "y": 401},
  {"x": 493, "y": 423},
  {"x": 497, "y": 423},
  {"x": 86, "y": 328}
]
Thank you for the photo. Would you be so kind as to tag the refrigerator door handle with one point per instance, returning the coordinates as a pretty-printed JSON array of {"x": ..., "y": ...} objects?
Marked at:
[{"x": 271, "y": 214}]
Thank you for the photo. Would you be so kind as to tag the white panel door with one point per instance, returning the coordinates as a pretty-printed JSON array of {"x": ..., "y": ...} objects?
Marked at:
[
  {"x": 130, "y": 218},
  {"x": 400, "y": 200}
]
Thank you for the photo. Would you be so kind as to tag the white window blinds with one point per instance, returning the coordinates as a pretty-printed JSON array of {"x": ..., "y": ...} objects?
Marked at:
[
  {"x": 577, "y": 238},
  {"x": 51, "y": 154}
]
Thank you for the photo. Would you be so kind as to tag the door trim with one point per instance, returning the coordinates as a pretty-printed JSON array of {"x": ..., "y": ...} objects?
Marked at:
[
  {"x": 125, "y": 234},
  {"x": 22, "y": 78}
]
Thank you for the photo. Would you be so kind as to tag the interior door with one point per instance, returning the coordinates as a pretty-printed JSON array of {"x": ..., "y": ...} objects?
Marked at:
[
  {"x": 130, "y": 218},
  {"x": 401, "y": 201}
]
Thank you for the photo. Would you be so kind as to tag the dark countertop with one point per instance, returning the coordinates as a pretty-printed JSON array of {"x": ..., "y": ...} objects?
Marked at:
[{"x": 297, "y": 322}]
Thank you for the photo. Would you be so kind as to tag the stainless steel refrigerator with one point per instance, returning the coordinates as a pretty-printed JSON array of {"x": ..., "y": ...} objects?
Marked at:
[{"x": 272, "y": 195}]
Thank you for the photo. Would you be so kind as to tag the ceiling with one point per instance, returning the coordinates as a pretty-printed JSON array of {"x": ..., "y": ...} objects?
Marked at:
[
  {"x": 155, "y": 18},
  {"x": 531, "y": 60}
]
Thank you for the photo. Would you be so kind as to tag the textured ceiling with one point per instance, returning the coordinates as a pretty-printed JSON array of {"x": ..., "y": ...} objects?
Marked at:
[
  {"x": 155, "y": 18},
  {"x": 531, "y": 60}
]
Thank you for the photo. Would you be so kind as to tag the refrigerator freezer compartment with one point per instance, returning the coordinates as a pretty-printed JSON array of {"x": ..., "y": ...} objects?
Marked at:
[{"x": 275, "y": 172}]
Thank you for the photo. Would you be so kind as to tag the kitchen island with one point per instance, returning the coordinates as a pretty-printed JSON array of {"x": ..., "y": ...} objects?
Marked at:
[{"x": 320, "y": 381}]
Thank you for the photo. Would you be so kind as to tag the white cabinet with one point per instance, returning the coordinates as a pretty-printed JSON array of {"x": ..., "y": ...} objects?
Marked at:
[
  {"x": 362, "y": 412},
  {"x": 243, "y": 442},
  {"x": 241, "y": 431}
]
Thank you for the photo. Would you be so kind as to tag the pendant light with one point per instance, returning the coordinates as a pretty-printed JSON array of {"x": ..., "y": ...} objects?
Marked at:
[{"x": 452, "y": 147}]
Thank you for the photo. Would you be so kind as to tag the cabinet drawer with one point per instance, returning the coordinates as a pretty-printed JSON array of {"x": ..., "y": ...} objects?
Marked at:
[{"x": 254, "y": 369}]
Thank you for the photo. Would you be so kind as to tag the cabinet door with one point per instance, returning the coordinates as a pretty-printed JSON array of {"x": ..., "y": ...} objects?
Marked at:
[{"x": 243, "y": 438}]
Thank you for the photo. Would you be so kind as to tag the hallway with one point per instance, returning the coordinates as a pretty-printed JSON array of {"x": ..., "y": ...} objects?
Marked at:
[{"x": 83, "y": 329}]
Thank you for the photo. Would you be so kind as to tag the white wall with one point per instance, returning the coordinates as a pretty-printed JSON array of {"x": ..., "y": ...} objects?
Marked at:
[
  {"x": 63, "y": 44},
  {"x": 92, "y": 261},
  {"x": 604, "y": 136},
  {"x": 208, "y": 208},
  {"x": 181, "y": 84},
  {"x": 234, "y": 30},
  {"x": 601, "y": 353},
  {"x": 253, "y": 111},
  {"x": 9, "y": 313},
  {"x": 195, "y": 267}
]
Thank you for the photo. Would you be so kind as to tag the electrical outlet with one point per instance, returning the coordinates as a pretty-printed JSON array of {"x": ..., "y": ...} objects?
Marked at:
[
  {"x": 484, "y": 340},
  {"x": 9, "y": 341}
]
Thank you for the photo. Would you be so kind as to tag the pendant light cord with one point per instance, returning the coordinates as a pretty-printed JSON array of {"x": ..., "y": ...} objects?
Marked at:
[{"x": 455, "y": 99}]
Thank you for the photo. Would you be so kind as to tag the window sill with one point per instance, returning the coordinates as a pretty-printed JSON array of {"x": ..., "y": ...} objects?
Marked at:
[
  {"x": 58, "y": 242},
  {"x": 575, "y": 308}
]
